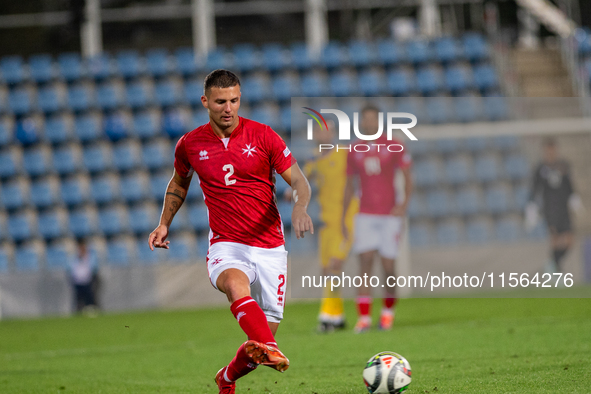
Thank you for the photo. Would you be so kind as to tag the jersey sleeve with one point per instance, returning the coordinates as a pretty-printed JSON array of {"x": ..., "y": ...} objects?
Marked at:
[
  {"x": 181, "y": 160},
  {"x": 279, "y": 154}
]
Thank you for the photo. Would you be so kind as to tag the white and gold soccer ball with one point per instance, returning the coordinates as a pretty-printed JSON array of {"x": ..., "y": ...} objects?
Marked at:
[{"x": 387, "y": 373}]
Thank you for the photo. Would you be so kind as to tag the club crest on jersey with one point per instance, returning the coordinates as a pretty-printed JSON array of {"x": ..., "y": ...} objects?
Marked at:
[
  {"x": 249, "y": 151},
  {"x": 203, "y": 155}
]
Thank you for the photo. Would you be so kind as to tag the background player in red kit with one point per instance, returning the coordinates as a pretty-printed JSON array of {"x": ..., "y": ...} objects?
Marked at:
[
  {"x": 235, "y": 159},
  {"x": 378, "y": 224}
]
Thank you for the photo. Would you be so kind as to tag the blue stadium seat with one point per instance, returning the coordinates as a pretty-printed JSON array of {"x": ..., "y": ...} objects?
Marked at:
[
  {"x": 41, "y": 68},
  {"x": 37, "y": 160},
  {"x": 183, "y": 248},
  {"x": 28, "y": 258},
  {"x": 506, "y": 143},
  {"x": 20, "y": 101},
  {"x": 158, "y": 184},
  {"x": 246, "y": 57},
  {"x": 129, "y": 64},
  {"x": 300, "y": 57},
  {"x": 10, "y": 162},
  {"x": 52, "y": 224},
  {"x": 521, "y": 196},
  {"x": 175, "y": 123},
  {"x": 181, "y": 221},
  {"x": 113, "y": 220},
  {"x": 67, "y": 159},
  {"x": 57, "y": 257},
  {"x": 98, "y": 158},
  {"x": 185, "y": 59},
  {"x": 22, "y": 225},
  {"x": 417, "y": 207},
  {"x": 137, "y": 187},
  {"x": 82, "y": 222},
  {"x": 447, "y": 146},
  {"x": 498, "y": 199},
  {"x": 362, "y": 53},
  {"x": 450, "y": 232},
  {"x": 458, "y": 79},
  {"x": 58, "y": 130},
  {"x": 116, "y": 126},
  {"x": 371, "y": 83},
  {"x": 487, "y": 168},
  {"x": 146, "y": 125},
  {"x": 468, "y": 109},
  {"x": 15, "y": 194},
  {"x": 475, "y": 47},
  {"x": 192, "y": 92},
  {"x": 99, "y": 67},
  {"x": 266, "y": 115},
  {"x": 343, "y": 84},
  {"x": 285, "y": 118},
  {"x": 108, "y": 97},
  {"x": 12, "y": 69},
  {"x": 469, "y": 201},
  {"x": 495, "y": 108},
  {"x": 509, "y": 228},
  {"x": 88, "y": 128},
  {"x": 75, "y": 190},
  {"x": 6, "y": 133},
  {"x": 439, "y": 110},
  {"x": 285, "y": 87},
  {"x": 313, "y": 85},
  {"x": 448, "y": 49},
  {"x": 4, "y": 260},
  {"x": 120, "y": 252},
  {"x": 485, "y": 77},
  {"x": 285, "y": 212},
  {"x": 391, "y": 52},
  {"x": 516, "y": 167},
  {"x": 476, "y": 145},
  {"x": 143, "y": 218},
  {"x": 28, "y": 131},
  {"x": 70, "y": 66},
  {"x": 49, "y": 99},
  {"x": 167, "y": 93},
  {"x": 458, "y": 170},
  {"x": 479, "y": 230},
  {"x": 195, "y": 192},
  {"x": 137, "y": 94},
  {"x": 217, "y": 59},
  {"x": 157, "y": 62},
  {"x": 200, "y": 117},
  {"x": 105, "y": 189},
  {"x": 427, "y": 172},
  {"x": 45, "y": 192},
  {"x": 280, "y": 186},
  {"x": 275, "y": 57},
  {"x": 401, "y": 82},
  {"x": 198, "y": 217},
  {"x": 440, "y": 203},
  {"x": 156, "y": 154},
  {"x": 420, "y": 235},
  {"x": 80, "y": 98},
  {"x": 127, "y": 155},
  {"x": 255, "y": 89},
  {"x": 419, "y": 52},
  {"x": 429, "y": 81},
  {"x": 334, "y": 55}
]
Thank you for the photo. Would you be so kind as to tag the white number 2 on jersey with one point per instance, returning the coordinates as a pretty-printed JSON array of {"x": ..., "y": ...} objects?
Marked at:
[
  {"x": 230, "y": 169},
  {"x": 372, "y": 165}
]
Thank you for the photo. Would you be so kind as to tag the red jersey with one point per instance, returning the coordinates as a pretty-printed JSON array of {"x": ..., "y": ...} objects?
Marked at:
[
  {"x": 377, "y": 170},
  {"x": 236, "y": 176}
]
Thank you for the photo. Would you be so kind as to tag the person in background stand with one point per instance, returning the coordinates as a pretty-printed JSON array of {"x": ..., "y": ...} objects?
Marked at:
[{"x": 83, "y": 272}]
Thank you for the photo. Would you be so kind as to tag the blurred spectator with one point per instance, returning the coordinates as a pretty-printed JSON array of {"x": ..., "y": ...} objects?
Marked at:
[{"x": 83, "y": 271}]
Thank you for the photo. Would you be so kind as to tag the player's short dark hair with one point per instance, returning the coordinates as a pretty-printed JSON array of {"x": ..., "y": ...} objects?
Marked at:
[
  {"x": 220, "y": 79},
  {"x": 550, "y": 142},
  {"x": 370, "y": 108}
]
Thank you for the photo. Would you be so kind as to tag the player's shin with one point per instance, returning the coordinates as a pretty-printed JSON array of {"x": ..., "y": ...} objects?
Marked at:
[{"x": 252, "y": 320}]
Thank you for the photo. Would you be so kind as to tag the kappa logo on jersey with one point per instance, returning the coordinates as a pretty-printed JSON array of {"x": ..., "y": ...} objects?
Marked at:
[
  {"x": 249, "y": 150},
  {"x": 240, "y": 315},
  {"x": 203, "y": 155}
]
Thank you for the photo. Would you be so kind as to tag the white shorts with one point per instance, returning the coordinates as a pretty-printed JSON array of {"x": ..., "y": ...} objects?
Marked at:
[
  {"x": 266, "y": 269},
  {"x": 377, "y": 232}
]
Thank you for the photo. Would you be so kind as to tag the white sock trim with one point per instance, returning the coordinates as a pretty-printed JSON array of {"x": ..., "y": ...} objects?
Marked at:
[
  {"x": 226, "y": 376},
  {"x": 245, "y": 302}
]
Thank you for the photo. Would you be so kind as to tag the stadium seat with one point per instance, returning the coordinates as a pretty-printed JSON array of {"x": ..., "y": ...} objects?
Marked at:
[
  {"x": 121, "y": 252},
  {"x": 255, "y": 89},
  {"x": 427, "y": 172},
  {"x": 521, "y": 196},
  {"x": 479, "y": 230},
  {"x": 195, "y": 193},
  {"x": 265, "y": 114},
  {"x": 314, "y": 85},
  {"x": 476, "y": 145},
  {"x": 70, "y": 66},
  {"x": 485, "y": 77},
  {"x": 458, "y": 170},
  {"x": 185, "y": 59},
  {"x": 137, "y": 94},
  {"x": 67, "y": 159},
  {"x": 167, "y": 93},
  {"x": 5, "y": 259},
  {"x": 498, "y": 199},
  {"x": 146, "y": 124},
  {"x": 87, "y": 128},
  {"x": 440, "y": 203},
  {"x": 49, "y": 99},
  {"x": 458, "y": 79},
  {"x": 401, "y": 82},
  {"x": 175, "y": 122},
  {"x": 58, "y": 130},
  {"x": 181, "y": 220},
  {"x": 37, "y": 160},
  {"x": 487, "y": 168},
  {"x": 391, "y": 52},
  {"x": 146, "y": 256},
  {"x": 6, "y": 133},
  {"x": 334, "y": 55},
  {"x": 80, "y": 98},
  {"x": 192, "y": 92},
  {"x": 158, "y": 184},
  {"x": 509, "y": 228},
  {"x": 285, "y": 87},
  {"x": 15, "y": 193},
  {"x": 468, "y": 109},
  {"x": 21, "y": 101},
  {"x": 45, "y": 192},
  {"x": 10, "y": 162},
  {"x": 129, "y": 64},
  {"x": 53, "y": 224},
  {"x": 198, "y": 217},
  {"x": 83, "y": 222},
  {"x": 419, "y": 52},
  {"x": 275, "y": 57},
  {"x": 343, "y": 84},
  {"x": 12, "y": 69},
  {"x": 58, "y": 257},
  {"x": 200, "y": 117},
  {"x": 127, "y": 155},
  {"x": 495, "y": 108},
  {"x": 301, "y": 58},
  {"x": 475, "y": 47},
  {"x": 450, "y": 232},
  {"x": 417, "y": 207},
  {"x": 285, "y": 212},
  {"x": 420, "y": 235},
  {"x": 246, "y": 57},
  {"x": 116, "y": 126},
  {"x": 469, "y": 200},
  {"x": 22, "y": 225},
  {"x": 99, "y": 67},
  {"x": 28, "y": 131},
  {"x": 156, "y": 154},
  {"x": 516, "y": 167},
  {"x": 136, "y": 187},
  {"x": 285, "y": 118},
  {"x": 506, "y": 143},
  {"x": 75, "y": 190},
  {"x": 113, "y": 220},
  {"x": 143, "y": 218},
  {"x": 183, "y": 248},
  {"x": 105, "y": 188},
  {"x": 362, "y": 53},
  {"x": 157, "y": 62},
  {"x": 41, "y": 68},
  {"x": 109, "y": 96},
  {"x": 447, "y": 49},
  {"x": 447, "y": 146},
  {"x": 429, "y": 81},
  {"x": 371, "y": 83},
  {"x": 98, "y": 157},
  {"x": 28, "y": 258},
  {"x": 439, "y": 110}
]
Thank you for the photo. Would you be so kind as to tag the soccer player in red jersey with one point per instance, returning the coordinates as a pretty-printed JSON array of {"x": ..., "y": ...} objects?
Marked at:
[
  {"x": 236, "y": 159},
  {"x": 378, "y": 225}
]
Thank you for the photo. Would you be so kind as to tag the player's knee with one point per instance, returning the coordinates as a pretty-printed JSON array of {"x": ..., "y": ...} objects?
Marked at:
[{"x": 234, "y": 283}]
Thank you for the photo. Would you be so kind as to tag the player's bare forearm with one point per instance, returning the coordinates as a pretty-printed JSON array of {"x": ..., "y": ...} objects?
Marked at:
[
  {"x": 176, "y": 192},
  {"x": 302, "y": 193}
]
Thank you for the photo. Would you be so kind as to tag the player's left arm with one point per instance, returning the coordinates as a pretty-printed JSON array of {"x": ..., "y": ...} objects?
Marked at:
[
  {"x": 302, "y": 192},
  {"x": 400, "y": 209}
]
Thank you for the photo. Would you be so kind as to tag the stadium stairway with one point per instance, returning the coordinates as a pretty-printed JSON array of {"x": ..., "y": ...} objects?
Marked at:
[{"x": 541, "y": 73}]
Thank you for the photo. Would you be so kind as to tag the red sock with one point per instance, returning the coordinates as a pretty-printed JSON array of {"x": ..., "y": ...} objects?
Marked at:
[
  {"x": 240, "y": 365},
  {"x": 252, "y": 320},
  {"x": 390, "y": 301},
  {"x": 364, "y": 306}
]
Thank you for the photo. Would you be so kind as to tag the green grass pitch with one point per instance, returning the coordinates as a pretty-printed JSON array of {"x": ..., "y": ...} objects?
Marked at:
[{"x": 453, "y": 346}]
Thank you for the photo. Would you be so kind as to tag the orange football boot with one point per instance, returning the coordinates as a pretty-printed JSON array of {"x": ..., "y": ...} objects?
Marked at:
[{"x": 266, "y": 355}]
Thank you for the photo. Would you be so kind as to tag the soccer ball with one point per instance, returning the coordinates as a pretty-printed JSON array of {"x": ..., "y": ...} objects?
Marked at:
[{"x": 387, "y": 373}]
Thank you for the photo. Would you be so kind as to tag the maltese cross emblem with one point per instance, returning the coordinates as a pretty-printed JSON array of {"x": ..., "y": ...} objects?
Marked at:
[{"x": 248, "y": 150}]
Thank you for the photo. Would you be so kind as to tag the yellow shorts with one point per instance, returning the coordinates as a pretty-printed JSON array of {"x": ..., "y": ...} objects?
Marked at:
[{"x": 332, "y": 244}]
